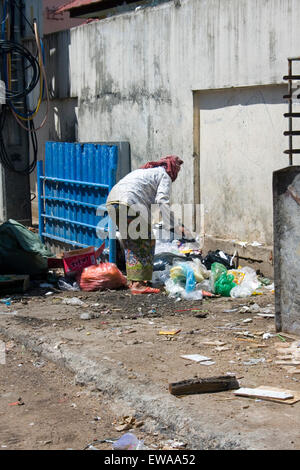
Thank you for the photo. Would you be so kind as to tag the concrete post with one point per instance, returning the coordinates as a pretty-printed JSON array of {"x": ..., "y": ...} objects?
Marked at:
[{"x": 286, "y": 204}]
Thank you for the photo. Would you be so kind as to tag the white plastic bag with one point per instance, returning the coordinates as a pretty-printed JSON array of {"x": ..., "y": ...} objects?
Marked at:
[{"x": 248, "y": 285}]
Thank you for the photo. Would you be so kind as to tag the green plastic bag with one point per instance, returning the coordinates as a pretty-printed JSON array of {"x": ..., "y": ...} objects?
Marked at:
[
  {"x": 217, "y": 269},
  {"x": 21, "y": 251},
  {"x": 224, "y": 284}
]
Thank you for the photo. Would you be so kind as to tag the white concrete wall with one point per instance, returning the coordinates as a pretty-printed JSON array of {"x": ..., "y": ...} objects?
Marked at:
[
  {"x": 241, "y": 143},
  {"x": 134, "y": 76}
]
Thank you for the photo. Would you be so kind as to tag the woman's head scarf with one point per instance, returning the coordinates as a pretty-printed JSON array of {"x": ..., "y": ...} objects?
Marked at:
[{"x": 171, "y": 164}]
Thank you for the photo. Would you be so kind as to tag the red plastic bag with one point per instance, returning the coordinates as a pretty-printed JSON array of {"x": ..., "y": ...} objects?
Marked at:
[{"x": 101, "y": 276}]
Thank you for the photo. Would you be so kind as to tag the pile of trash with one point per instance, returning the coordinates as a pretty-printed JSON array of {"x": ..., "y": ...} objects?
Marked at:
[{"x": 216, "y": 274}]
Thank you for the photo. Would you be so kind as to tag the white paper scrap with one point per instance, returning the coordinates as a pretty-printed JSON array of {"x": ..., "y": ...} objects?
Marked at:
[
  {"x": 258, "y": 392},
  {"x": 196, "y": 357}
]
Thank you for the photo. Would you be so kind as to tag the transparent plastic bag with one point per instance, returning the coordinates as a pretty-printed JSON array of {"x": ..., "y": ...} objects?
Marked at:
[
  {"x": 217, "y": 269},
  {"x": 190, "y": 281},
  {"x": 194, "y": 295},
  {"x": 248, "y": 285},
  {"x": 176, "y": 290},
  {"x": 178, "y": 273},
  {"x": 64, "y": 285},
  {"x": 204, "y": 285},
  {"x": 160, "y": 277},
  {"x": 128, "y": 442}
]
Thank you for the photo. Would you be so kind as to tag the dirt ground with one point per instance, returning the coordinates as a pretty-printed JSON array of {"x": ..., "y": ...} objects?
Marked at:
[
  {"x": 41, "y": 408},
  {"x": 124, "y": 330}
]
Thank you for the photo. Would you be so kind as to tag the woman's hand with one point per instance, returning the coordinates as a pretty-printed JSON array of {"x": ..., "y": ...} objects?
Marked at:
[{"x": 182, "y": 232}]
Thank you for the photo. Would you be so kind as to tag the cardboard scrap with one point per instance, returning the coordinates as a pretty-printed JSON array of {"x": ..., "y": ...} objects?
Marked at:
[{"x": 268, "y": 393}]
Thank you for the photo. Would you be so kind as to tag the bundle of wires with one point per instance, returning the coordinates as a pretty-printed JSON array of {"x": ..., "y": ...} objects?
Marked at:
[{"x": 36, "y": 71}]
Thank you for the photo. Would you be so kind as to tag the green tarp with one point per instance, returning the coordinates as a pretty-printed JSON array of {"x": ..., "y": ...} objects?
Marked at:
[{"x": 21, "y": 251}]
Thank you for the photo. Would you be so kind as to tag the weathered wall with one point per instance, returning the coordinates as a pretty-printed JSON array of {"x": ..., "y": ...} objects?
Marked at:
[
  {"x": 134, "y": 76},
  {"x": 241, "y": 143}
]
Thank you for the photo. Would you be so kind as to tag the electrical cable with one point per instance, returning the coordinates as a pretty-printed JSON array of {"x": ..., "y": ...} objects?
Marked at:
[
  {"x": 43, "y": 85},
  {"x": 9, "y": 49},
  {"x": 4, "y": 157}
]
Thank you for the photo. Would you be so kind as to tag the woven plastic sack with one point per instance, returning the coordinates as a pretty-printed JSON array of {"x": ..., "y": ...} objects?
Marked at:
[{"x": 101, "y": 276}]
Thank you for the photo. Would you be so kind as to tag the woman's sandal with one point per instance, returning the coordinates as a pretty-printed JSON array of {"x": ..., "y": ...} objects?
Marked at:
[{"x": 145, "y": 290}]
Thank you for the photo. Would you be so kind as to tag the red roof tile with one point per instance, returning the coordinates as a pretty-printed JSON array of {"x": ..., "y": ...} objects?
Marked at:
[{"x": 76, "y": 4}]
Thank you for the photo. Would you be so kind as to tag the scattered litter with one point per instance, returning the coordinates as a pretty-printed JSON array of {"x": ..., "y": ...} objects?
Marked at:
[
  {"x": 86, "y": 316},
  {"x": 286, "y": 362},
  {"x": 213, "y": 343},
  {"x": 244, "y": 309},
  {"x": 90, "y": 447},
  {"x": 8, "y": 312},
  {"x": 281, "y": 338},
  {"x": 248, "y": 320},
  {"x": 39, "y": 364},
  {"x": 253, "y": 362},
  {"x": 231, "y": 310},
  {"x": 126, "y": 423},
  {"x": 204, "y": 385},
  {"x": 196, "y": 357},
  {"x": 128, "y": 442},
  {"x": 267, "y": 335},
  {"x": 244, "y": 333},
  {"x": 171, "y": 332},
  {"x": 49, "y": 293},
  {"x": 266, "y": 315},
  {"x": 73, "y": 301},
  {"x": 171, "y": 445},
  {"x": 270, "y": 393},
  {"x": 57, "y": 345},
  {"x": 67, "y": 286},
  {"x": 17, "y": 403},
  {"x": 255, "y": 244},
  {"x": 254, "y": 307},
  {"x": 222, "y": 348},
  {"x": 270, "y": 287}
]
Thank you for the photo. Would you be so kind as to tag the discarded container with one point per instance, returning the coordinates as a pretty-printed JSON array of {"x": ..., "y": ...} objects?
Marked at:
[{"x": 76, "y": 260}]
